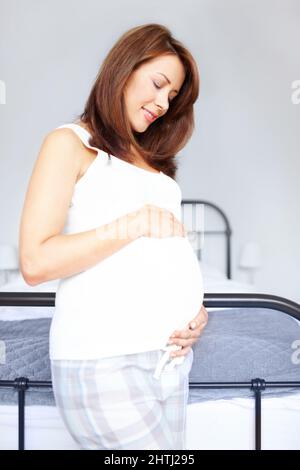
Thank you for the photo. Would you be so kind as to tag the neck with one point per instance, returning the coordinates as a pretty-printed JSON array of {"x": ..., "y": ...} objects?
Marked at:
[{"x": 137, "y": 157}]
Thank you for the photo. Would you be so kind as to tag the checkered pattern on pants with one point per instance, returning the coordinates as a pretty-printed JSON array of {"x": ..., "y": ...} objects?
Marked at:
[{"x": 116, "y": 403}]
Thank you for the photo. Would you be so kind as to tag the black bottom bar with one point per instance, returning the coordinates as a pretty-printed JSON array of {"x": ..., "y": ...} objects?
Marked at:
[{"x": 257, "y": 385}]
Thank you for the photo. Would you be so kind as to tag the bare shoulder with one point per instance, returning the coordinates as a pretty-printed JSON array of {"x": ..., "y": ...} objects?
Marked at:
[
  {"x": 63, "y": 137},
  {"x": 64, "y": 141}
]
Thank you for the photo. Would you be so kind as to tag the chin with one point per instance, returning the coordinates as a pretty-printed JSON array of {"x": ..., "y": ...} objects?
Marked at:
[{"x": 139, "y": 128}]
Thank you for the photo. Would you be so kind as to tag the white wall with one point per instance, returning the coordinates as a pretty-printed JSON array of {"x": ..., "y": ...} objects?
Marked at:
[{"x": 243, "y": 154}]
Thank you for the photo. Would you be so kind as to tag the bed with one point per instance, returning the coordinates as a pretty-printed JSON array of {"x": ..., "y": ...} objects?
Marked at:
[{"x": 244, "y": 382}]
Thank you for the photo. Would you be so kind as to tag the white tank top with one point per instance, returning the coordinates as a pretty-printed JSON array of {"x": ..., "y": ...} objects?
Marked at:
[{"x": 133, "y": 300}]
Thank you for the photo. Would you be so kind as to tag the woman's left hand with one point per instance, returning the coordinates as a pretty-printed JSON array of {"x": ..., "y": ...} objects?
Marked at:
[{"x": 187, "y": 337}]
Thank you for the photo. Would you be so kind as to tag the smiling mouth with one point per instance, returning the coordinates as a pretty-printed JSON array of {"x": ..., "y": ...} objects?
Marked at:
[{"x": 149, "y": 116}]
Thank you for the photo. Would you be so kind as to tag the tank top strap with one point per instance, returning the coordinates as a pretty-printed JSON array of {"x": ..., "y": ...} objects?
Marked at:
[{"x": 82, "y": 133}]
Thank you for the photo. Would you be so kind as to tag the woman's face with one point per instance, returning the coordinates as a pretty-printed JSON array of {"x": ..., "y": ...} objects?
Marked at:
[{"x": 152, "y": 86}]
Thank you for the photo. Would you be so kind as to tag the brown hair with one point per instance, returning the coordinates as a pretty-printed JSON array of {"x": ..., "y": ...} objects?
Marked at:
[{"x": 105, "y": 112}]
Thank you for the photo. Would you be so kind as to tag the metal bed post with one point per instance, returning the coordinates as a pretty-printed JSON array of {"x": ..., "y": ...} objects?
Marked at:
[
  {"x": 257, "y": 385},
  {"x": 21, "y": 384}
]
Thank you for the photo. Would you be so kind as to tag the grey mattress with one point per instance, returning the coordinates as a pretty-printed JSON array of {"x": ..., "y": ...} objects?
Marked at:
[{"x": 236, "y": 345}]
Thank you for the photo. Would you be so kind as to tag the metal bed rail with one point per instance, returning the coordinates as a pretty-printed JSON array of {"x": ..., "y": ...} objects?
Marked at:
[
  {"x": 227, "y": 232},
  {"x": 257, "y": 385}
]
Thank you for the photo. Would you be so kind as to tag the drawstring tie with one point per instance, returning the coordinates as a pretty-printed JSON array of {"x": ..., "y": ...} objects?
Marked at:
[{"x": 164, "y": 359}]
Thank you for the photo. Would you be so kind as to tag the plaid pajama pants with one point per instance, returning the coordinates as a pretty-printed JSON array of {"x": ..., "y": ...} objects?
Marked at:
[{"x": 117, "y": 403}]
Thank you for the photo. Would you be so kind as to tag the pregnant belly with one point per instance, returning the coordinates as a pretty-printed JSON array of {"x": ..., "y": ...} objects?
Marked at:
[
  {"x": 147, "y": 289},
  {"x": 173, "y": 276}
]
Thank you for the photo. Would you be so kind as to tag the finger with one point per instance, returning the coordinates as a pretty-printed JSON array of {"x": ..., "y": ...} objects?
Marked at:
[
  {"x": 181, "y": 352},
  {"x": 194, "y": 324},
  {"x": 197, "y": 331},
  {"x": 183, "y": 342},
  {"x": 186, "y": 338},
  {"x": 200, "y": 322},
  {"x": 182, "y": 334},
  {"x": 186, "y": 333}
]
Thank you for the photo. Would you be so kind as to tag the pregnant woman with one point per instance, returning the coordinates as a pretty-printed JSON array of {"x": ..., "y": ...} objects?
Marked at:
[{"x": 102, "y": 214}]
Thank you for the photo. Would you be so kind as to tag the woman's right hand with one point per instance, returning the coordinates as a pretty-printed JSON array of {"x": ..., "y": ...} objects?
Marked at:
[{"x": 157, "y": 222}]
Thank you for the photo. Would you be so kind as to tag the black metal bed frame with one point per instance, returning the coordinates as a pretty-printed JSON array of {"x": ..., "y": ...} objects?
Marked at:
[
  {"x": 239, "y": 300},
  {"x": 257, "y": 385},
  {"x": 227, "y": 232}
]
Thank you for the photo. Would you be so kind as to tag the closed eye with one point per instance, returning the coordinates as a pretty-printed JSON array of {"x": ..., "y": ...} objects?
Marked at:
[{"x": 156, "y": 86}]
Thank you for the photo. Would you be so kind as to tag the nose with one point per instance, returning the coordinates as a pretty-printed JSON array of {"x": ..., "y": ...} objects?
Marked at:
[{"x": 162, "y": 105}]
